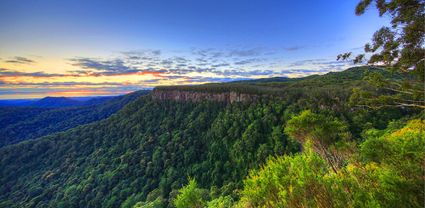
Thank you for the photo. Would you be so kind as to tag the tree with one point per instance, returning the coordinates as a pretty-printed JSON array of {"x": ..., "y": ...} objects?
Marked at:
[
  {"x": 221, "y": 202},
  {"x": 325, "y": 132},
  {"x": 190, "y": 196},
  {"x": 288, "y": 181},
  {"x": 398, "y": 48}
]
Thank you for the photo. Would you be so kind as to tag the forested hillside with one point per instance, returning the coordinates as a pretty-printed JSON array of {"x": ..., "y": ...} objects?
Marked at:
[
  {"x": 143, "y": 155},
  {"x": 23, "y": 123}
]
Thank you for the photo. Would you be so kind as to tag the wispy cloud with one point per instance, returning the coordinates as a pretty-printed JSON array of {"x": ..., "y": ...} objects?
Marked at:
[
  {"x": 215, "y": 53},
  {"x": 20, "y": 60},
  {"x": 115, "y": 65},
  {"x": 202, "y": 79},
  {"x": 325, "y": 64},
  {"x": 294, "y": 48},
  {"x": 224, "y": 62},
  {"x": 9, "y": 72},
  {"x": 248, "y": 61},
  {"x": 111, "y": 67},
  {"x": 246, "y": 73},
  {"x": 307, "y": 61},
  {"x": 199, "y": 79},
  {"x": 315, "y": 66},
  {"x": 250, "y": 52}
]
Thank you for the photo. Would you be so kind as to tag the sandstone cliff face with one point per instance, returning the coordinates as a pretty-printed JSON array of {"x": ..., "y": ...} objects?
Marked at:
[{"x": 194, "y": 96}]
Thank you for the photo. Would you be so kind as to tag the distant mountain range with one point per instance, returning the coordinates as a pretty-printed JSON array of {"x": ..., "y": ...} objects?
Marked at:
[{"x": 56, "y": 102}]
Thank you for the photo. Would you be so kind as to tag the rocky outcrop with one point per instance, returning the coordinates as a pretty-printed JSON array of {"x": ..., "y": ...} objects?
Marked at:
[{"x": 196, "y": 96}]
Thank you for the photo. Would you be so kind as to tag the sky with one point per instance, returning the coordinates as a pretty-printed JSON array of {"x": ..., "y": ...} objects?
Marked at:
[{"x": 92, "y": 48}]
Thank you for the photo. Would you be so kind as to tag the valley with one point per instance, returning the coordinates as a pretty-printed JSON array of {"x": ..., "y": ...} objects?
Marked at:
[{"x": 145, "y": 153}]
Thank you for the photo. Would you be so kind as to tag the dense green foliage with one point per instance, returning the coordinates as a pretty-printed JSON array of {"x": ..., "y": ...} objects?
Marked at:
[
  {"x": 190, "y": 196},
  {"x": 386, "y": 172},
  {"x": 149, "y": 145},
  {"x": 143, "y": 155},
  {"x": 23, "y": 123},
  {"x": 12, "y": 115},
  {"x": 329, "y": 137}
]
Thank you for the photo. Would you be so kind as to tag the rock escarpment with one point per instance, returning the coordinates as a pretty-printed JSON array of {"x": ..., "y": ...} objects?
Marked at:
[{"x": 197, "y": 96}]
